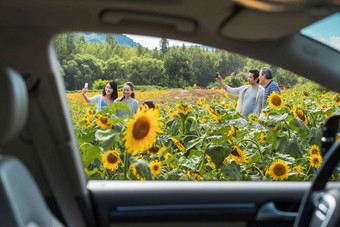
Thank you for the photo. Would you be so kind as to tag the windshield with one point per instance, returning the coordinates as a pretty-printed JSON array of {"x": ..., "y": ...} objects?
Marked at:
[{"x": 326, "y": 31}]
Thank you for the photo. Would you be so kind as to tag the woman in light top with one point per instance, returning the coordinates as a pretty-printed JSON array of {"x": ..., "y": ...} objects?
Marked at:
[
  {"x": 109, "y": 94},
  {"x": 128, "y": 98}
]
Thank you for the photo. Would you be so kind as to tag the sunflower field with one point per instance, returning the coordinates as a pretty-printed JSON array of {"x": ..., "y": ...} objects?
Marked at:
[{"x": 205, "y": 141}]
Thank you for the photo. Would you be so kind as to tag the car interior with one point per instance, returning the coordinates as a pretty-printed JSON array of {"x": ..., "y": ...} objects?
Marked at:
[{"x": 42, "y": 181}]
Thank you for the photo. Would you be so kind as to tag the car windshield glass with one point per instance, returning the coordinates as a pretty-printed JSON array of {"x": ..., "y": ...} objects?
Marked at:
[
  {"x": 196, "y": 113},
  {"x": 326, "y": 31}
]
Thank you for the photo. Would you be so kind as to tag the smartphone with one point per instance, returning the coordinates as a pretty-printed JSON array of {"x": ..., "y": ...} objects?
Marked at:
[
  {"x": 86, "y": 85},
  {"x": 216, "y": 74}
]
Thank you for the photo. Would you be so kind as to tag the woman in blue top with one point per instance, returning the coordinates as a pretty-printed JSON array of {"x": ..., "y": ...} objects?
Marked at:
[
  {"x": 109, "y": 94},
  {"x": 128, "y": 98}
]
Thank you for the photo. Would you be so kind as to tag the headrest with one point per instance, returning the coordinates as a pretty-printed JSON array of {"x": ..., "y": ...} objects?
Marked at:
[{"x": 14, "y": 104}]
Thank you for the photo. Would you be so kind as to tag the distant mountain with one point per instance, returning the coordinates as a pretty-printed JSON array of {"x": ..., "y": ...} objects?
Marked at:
[{"x": 100, "y": 38}]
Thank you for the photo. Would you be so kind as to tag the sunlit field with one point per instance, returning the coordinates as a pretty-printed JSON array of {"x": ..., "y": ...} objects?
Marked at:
[{"x": 205, "y": 141}]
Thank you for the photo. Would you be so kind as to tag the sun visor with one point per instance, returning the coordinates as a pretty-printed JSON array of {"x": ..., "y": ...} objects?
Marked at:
[{"x": 179, "y": 24}]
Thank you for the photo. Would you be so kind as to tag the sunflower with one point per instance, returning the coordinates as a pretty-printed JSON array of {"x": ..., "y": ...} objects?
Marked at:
[
  {"x": 156, "y": 149},
  {"x": 314, "y": 150},
  {"x": 111, "y": 159},
  {"x": 237, "y": 155},
  {"x": 212, "y": 165},
  {"x": 102, "y": 122},
  {"x": 141, "y": 130},
  {"x": 263, "y": 138},
  {"x": 305, "y": 93},
  {"x": 253, "y": 118},
  {"x": 315, "y": 160},
  {"x": 226, "y": 106},
  {"x": 167, "y": 156},
  {"x": 178, "y": 144},
  {"x": 142, "y": 108},
  {"x": 197, "y": 176},
  {"x": 135, "y": 172},
  {"x": 336, "y": 99},
  {"x": 232, "y": 133},
  {"x": 200, "y": 100},
  {"x": 278, "y": 170},
  {"x": 275, "y": 101},
  {"x": 299, "y": 113},
  {"x": 323, "y": 106},
  {"x": 199, "y": 104},
  {"x": 183, "y": 109},
  {"x": 174, "y": 115},
  {"x": 89, "y": 113},
  {"x": 298, "y": 169},
  {"x": 84, "y": 120},
  {"x": 155, "y": 167},
  {"x": 157, "y": 106}
]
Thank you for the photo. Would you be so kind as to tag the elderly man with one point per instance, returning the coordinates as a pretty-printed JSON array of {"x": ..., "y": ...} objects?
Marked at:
[
  {"x": 266, "y": 78},
  {"x": 250, "y": 96}
]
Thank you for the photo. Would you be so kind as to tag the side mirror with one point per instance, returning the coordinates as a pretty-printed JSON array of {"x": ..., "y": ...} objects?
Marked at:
[{"x": 331, "y": 133}]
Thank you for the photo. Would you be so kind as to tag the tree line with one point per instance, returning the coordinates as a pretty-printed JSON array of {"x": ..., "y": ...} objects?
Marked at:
[{"x": 171, "y": 67}]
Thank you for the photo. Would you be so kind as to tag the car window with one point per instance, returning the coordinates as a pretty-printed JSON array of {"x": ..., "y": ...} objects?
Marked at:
[
  {"x": 195, "y": 130},
  {"x": 326, "y": 31}
]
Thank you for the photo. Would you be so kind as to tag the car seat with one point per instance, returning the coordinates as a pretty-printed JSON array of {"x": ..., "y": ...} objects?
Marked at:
[{"x": 21, "y": 202}]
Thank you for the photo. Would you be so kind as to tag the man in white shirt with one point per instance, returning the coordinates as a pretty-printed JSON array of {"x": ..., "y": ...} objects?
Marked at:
[{"x": 250, "y": 96}]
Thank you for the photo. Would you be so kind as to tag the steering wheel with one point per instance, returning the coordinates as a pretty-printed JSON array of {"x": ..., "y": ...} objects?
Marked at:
[{"x": 321, "y": 206}]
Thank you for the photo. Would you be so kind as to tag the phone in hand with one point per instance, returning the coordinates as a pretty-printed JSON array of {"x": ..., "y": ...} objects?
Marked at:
[
  {"x": 216, "y": 74},
  {"x": 86, "y": 85}
]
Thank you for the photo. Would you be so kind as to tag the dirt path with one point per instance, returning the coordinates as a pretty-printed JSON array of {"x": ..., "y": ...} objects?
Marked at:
[{"x": 190, "y": 96}]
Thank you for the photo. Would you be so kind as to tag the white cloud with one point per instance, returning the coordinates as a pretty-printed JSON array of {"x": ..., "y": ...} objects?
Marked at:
[
  {"x": 335, "y": 42},
  {"x": 153, "y": 42}
]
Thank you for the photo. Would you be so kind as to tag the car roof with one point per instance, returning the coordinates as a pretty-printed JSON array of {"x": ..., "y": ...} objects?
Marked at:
[{"x": 270, "y": 34}]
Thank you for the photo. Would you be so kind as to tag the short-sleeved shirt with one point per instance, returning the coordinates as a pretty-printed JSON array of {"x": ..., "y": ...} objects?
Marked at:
[
  {"x": 98, "y": 99},
  {"x": 133, "y": 104},
  {"x": 249, "y": 100},
  {"x": 272, "y": 86}
]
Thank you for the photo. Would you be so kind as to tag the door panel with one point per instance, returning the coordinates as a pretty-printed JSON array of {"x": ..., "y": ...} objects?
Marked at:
[{"x": 196, "y": 203}]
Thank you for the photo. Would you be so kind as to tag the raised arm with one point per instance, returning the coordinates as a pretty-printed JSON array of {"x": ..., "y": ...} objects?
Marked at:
[
  {"x": 84, "y": 94},
  {"x": 219, "y": 80}
]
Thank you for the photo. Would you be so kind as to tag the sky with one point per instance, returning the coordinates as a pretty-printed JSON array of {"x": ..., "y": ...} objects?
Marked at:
[
  {"x": 326, "y": 31},
  {"x": 152, "y": 42}
]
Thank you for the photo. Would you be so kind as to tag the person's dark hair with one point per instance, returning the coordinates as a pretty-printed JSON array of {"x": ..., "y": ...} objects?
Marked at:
[
  {"x": 268, "y": 72},
  {"x": 113, "y": 85},
  {"x": 132, "y": 89},
  {"x": 255, "y": 73},
  {"x": 149, "y": 104}
]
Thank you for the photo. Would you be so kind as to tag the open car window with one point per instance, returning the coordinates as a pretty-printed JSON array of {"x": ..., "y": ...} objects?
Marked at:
[{"x": 194, "y": 132}]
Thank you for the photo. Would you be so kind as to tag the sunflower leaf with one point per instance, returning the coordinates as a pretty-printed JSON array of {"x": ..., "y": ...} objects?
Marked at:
[
  {"x": 107, "y": 137},
  {"x": 293, "y": 148},
  {"x": 239, "y": 122},
  {"x": 232, "y": 170},
  {"x": 313, "y": 137},
  {"x": 282, "y": 142},
  {"x": 191, "y": 163},
  {"x": 174, "y": 124},
  {"x": 117, "y": 106},
  {"x": 142, "y": 167},
  {"x": 90, "y": 155},
  {"x": 218, "y": 153}
]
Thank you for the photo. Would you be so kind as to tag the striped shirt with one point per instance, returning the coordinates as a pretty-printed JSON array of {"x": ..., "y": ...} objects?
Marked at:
[{"x": 272, "y": 86}]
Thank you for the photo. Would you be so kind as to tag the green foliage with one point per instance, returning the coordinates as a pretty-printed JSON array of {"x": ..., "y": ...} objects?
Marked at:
[
  {"x": 175, "y": 67},
  {"x": 99, "y": 84}
]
